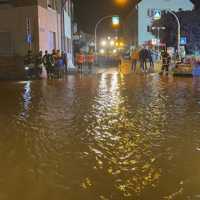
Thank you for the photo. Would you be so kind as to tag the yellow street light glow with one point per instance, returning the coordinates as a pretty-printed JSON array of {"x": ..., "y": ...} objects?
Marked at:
[
  {"x": 121, "y": 44},
  {"x": 114, "y": 51},
  {"x": 102, "y": 51},
  {"x": 103, "y": 43},
  {"x": 121, "y": 2},
  {"x": 112, "y": 43}
]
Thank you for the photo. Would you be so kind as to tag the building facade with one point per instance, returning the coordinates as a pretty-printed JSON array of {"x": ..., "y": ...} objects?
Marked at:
[
  {"x": 35, "y": 25},
  {"x": 143, "y": 15}
]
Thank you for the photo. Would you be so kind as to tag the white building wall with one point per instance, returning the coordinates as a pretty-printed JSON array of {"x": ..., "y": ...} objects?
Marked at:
[
  {"x": 144, "y": 20},
  {"x": 49, "y": 21},
  {"x": 68, "y": 33},
  {"x": 67, "y": 25},
  {"x": 68, "y": 39}
]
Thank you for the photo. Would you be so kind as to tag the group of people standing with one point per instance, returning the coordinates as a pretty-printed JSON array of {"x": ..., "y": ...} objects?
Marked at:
[
  {"x": 144, "y": 57},
  {"x": 85, "y": 59},
  {"x": 49, "y": 65}
]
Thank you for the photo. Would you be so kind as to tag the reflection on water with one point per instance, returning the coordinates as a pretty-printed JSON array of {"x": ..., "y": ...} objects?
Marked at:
[
  {"x": 100, "y": 137},
  {"x": 26, "y": 98}
]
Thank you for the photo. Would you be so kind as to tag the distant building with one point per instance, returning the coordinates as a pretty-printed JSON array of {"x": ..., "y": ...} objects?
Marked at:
[
  {"x": 35, "y": 25},
  {"x": 143, "y": 13}
]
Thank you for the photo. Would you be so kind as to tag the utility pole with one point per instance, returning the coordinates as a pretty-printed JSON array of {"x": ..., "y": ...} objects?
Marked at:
[
  {"x": 179, "y": 30},
  {"x": 115, "y": 22},
  {"x": 158, "y": 28},
  {"x": 96, "y": 27}
]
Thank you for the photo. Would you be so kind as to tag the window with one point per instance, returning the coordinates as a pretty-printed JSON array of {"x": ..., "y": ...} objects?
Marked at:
[
  {"x": 51, "y": 41},
  {"x": 51, "y": 4},
  {"x": 150, "y": 12}
]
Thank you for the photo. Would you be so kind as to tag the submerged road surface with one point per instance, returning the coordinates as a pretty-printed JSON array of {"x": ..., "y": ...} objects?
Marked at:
[{"x": 104, "y": 136}]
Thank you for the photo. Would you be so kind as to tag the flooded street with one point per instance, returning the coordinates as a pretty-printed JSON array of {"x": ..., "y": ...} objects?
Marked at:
[{"x": 104, "y": 136}]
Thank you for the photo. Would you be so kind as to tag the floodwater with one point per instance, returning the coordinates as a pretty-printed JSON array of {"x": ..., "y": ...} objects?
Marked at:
[{"x": 104, "y": 136}]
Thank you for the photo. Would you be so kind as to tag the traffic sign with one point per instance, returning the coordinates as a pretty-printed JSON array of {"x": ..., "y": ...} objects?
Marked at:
[
  {"x": 183, "y": 40},
  {"x": 29, "y": 39},
  {"x": 157, "y": 14},
  {"x": 115, "y": 20}
]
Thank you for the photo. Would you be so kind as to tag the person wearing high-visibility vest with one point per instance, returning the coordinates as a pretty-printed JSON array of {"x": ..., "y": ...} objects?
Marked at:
[
  {"x": 80, "y": 58},
  {"x": 134, "y": 59},
  {"x": 90, "y": 60}
]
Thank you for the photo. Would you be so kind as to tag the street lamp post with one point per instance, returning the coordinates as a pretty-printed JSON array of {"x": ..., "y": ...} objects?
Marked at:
[
  {"x": 179, "y": 29},
  {"x": 96, "y": 27},
  {"x": 158, "y": 28}
]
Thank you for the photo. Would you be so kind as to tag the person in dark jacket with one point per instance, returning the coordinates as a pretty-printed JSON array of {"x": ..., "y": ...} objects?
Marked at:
[
  {"x": 65, "y": 61},
  {"x": 143, "y": 55},
  {"x": 165, "y": 62},
  {"x": 150, "y": 58},
  {"x": 48, "y": 62},
  {"x": 39, "y": 63}
]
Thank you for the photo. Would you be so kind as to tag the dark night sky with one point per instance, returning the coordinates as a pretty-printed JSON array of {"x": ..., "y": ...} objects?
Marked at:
[{"x": 87, "y": 12}]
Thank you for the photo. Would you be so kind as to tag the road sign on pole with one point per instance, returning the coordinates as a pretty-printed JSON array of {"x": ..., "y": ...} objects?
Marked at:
[
  {"x": 183, "y": 40},
  {"x": 157, "y": 14}
]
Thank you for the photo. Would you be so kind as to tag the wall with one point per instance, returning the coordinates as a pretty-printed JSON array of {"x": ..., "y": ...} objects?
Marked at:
[
  {"x": 144, "y": 20},
  {"x": 42, "y": 21},
  {"x": 68, "y": 32},
  {"x": 22, "y": 3},
  {"x": 49, "y": 20},
  {"x": 67, "y": 26},
  {"x": 16, "y": 25}
]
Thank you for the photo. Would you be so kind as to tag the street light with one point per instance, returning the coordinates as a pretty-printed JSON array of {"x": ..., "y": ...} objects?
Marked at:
[
  {"x": 103, "y": 43},
  {"x": 117, "y": 44},
  {"x": 114, "y": 51},
  {"x": 121, "y": 44},
  {"x": 121, "y": 2},
  {"x": 179, "y": 29},
  {"x": 112, "y": 43},
  {"x": 102, "y": 51},
  {"x": 99, "y": 22}
]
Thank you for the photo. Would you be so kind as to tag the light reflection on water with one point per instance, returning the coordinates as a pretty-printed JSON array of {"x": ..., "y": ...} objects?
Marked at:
[
  {"x": 105, "y": 137},
  {"x": 26, "y": 99}
]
